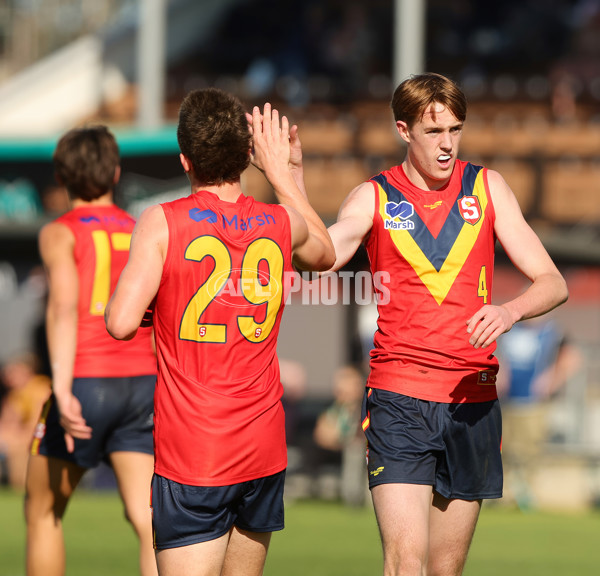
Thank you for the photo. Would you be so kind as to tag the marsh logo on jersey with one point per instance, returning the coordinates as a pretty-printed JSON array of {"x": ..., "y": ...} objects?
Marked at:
[
  {"x": 470, "y": 209},
  {"x": 199, "y": 215},
  {"x": 398, "y": 214},
  {"x": 104, "y": 220},
  {"x": 240, "y": 223},
  {"x": 263, "y": 219}
]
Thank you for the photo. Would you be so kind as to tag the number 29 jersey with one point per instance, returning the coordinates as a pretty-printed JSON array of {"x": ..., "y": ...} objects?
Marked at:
[
  {"x": 218, "y": 414},
  {"x": 436, "y": 249}
]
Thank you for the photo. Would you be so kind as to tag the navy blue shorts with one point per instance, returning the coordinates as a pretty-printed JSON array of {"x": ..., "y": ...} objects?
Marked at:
[
  {"x": 120, "y": 412},
  {"x": 455, "y": 448},
  {"x": 183, "y": 515}
]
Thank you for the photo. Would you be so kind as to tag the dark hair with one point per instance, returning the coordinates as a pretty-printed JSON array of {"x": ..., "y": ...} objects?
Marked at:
[
  {"x": 213, "y": 134},
  {"x": 413, "y": 96},
  {"x": 85, "y": 162}
]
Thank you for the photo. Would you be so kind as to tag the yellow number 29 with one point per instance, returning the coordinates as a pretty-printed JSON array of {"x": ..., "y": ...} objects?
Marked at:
[{"x": 257, "y": 288}]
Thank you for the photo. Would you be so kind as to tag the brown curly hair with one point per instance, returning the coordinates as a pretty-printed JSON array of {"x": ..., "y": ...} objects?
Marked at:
[
  {"x": 213, "y": 134},
  {"x": 85, "y": 162}
]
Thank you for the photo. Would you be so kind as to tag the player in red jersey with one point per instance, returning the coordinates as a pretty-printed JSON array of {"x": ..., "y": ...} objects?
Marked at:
[
  {"x": 101, "y": 407},
  {"x": 431, "y": 414},
  {"x": 213, "y": 266}
]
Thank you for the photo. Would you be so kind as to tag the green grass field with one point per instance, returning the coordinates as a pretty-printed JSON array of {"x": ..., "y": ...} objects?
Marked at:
[{"x": 321, "y": 539}]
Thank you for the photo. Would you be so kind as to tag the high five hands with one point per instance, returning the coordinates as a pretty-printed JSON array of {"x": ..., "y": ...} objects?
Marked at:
[{"x": 274, "y": 140}]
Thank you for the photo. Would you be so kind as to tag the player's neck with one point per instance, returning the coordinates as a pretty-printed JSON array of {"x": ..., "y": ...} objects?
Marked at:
[
  {"x": 228, "y": 192},
  {"x": 423, "y": 180},
  {"x": 104, "y": 200}
]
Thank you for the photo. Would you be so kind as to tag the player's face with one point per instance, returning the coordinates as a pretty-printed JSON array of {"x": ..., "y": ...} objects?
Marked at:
[{"x": 432, "y": 147}]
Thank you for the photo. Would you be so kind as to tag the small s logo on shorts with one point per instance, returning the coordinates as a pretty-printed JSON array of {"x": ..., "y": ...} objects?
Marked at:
[
  {"x": 40, "y": 430},
  {"x": 486, "y": 377}
]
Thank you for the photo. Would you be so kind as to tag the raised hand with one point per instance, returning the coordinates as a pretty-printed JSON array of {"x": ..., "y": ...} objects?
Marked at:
[
  {"x": 295, "y": 148},
  {"x": 271, "y": 141}
]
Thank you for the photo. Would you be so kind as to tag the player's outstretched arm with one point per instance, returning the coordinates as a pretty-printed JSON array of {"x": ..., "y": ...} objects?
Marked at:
[
  {"x": 354, "y": 222},
  {"x": 271, "y": 139},
  {"x": 140, "y": 279},
  {"x": 548, "y": 288}
]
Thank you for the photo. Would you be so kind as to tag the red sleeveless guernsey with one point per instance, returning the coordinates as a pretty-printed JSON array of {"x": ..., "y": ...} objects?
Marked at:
[
  {"x": 102, "y": 238},
  {"x": 434, "y": 251},
  {"x": 218, "y": 416}
]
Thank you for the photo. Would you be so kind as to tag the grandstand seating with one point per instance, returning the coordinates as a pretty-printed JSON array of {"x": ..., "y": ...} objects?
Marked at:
[
  {"x": 328, "y": 181},
  {"x": 572, "y": 192},
  {"x": 540, "y": 157}
]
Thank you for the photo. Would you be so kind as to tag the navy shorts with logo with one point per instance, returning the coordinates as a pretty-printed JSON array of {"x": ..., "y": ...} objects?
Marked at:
[
  {"x": 183, "y": 515},
  {"x": 119, "y": 411},
  {"x": 456, "y": 448}
]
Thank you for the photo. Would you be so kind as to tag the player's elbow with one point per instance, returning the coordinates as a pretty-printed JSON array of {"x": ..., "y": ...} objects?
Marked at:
[
  {"x": 327, "y": 261},
  {"x": 557, "y": 288},
  {"x": 563, "y": 291},
  {"x": 118, "y": 326},
  {"x": 119, "y": 332},
  {"x": 318, "y": 259}
]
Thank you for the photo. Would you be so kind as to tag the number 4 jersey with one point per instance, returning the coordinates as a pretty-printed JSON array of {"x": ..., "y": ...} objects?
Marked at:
[
  {"x": 102, "y": 237},
  {"x": 218, "y": 414},
  {"x": 437, "y": 250}
]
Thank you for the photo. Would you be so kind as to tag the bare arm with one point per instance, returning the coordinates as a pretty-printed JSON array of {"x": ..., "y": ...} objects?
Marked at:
[
  {"x": 56, "y": 244},
  {"x": 140, "y": 279},
  {"x": 298, "y": 227},
  {"x": 355, "y": 217},
  {"x": 548, "y": 288},
  {"x": 354, "y": 222},
  {"x": 272, "y": 156}
]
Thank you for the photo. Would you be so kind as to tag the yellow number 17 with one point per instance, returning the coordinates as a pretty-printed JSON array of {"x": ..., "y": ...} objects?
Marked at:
[{"x": 102, "y": 245}]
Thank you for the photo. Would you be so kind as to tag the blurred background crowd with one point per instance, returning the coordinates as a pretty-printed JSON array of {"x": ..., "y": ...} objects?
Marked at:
[{"x": 531, "y": 72}]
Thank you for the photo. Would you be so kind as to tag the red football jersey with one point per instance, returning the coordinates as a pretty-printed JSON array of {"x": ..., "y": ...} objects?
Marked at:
[
  {"x": 434, "y": 251},
  {"x": 102, "y": 238},
  {"x": 218, "y": 417}
]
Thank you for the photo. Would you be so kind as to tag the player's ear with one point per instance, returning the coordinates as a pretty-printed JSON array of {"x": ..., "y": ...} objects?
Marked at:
[
  {"x": 187, "y": 165},
  {"x": 402, "y": 128},
  {"x": 117, "y": 174}
]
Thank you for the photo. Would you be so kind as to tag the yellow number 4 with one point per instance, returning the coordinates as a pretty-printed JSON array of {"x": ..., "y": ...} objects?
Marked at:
[{"x": 482, "y": 287}]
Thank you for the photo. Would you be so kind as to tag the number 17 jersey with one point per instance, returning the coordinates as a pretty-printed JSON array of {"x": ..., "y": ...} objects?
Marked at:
[
  {"x": 102, "y": 237},
  {"x": 218, "y": 415}
]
